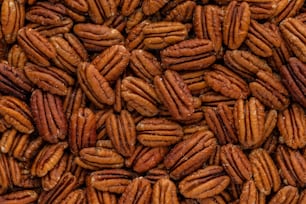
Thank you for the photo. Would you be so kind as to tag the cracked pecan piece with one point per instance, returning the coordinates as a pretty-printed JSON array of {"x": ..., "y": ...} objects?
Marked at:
[
  {"x": 182, "y": 12},
  {"x": 174, "y": 94},
  {"x": 164, "y": 191},
  {"x": 21, "y": 196},
  {"x": 150, "y": 7},
  {"x": 291, "y": 124},
  {"x": 285, "y": 195},
  {"x": 189, "y": 155},
  {"x": 188, "y": 55},
  {"x": 99, "y": 10},
  {"x": 16, "y": 57},
  {"x": 204, "y": 183},
  {"x": 236, "y": 24}
]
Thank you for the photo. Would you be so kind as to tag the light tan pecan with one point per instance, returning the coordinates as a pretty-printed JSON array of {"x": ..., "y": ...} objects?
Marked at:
[
  {"x": 285, "y": 195},
  {"x": 150, "y": 7},
  {"x": 159, "y": 35},
  {"x": 236, "y": 24},
  {"x": 204, "y": 183},
  {"x": 95, "y": 196},
  {"x": 189, "y": 155},
  {"x": 174, "y": 94},
  {"x": 94, "y": 85},
  {"x": 16, "y": 57},
  {"x": 154, "y": 132},
  {"x": 285, "y": 9},
  {"x": 265, "y": 173},
  {"x": 77, "y": 197},
  {"x": 182, "y": 12},
  {"x": 22, "y": 196},
  {"x": 138, "y": 191},
  {"x": 292, "y": 126},
  {"x": 12, "y": 19},
  {"x": 164, "y": 191},
  {"x": 37, "y": 48},
  {"x": 48, "y": 115},
  {"x": 82, "y": 130},
  {"x": 99, "y": 10}
]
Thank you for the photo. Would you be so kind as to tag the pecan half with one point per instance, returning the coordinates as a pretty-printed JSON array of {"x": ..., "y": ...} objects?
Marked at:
[
  {"x": 135, "y": 37},
  {"x": 77, "y": 196},
  {"x": 150, "y": 7},
  {"x": 285, "y": 9},
  {"x": 16, "y": 57},
  {"x": 99, "y": 10},
  {"x": 249, "y": 193},
  {"x": 182, "y": 12},
  {"x": 262, "y": 9},
  {"x": 164, "y": 191},
  {"x": 95, "y": 196},
  {"x": 22, "y": 196},
  {"x": 285, "y": 195}
]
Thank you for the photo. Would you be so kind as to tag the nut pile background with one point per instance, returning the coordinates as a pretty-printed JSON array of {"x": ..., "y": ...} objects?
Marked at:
[{"x": 153, "y": 101}]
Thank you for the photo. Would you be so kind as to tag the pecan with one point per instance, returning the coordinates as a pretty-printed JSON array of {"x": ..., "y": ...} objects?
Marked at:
[
  {"x": 265, "y": 173},
  {"x": 129, "y": 6},
  {"x": 94, "y": 85},
  {"x": 164, "y": 191},
  {"x": 77, "y": 5},
  {"x": 95, "y": 196},
  {"x": 8, "y": 138},
  {"x": 235, "y": 163},
  {"x": 112, "y": 62},
  {"x": 292, "y": 126},
  {"x": 135, "y": 18},
  {"x": 117, "y": 22},
  {"x": 98, "y": 10},
  {"x": 50, "y": 79},
  {"x": 212, "y": 98},
  {"x": 174, "y": 94},
  {"x": 294, "y": 32},
  {"x": 138, "y": 191},
  {"x": 154, "y": 132},
  {"x": 43, "y": 15},
  {"x": 95, "y": 158},
  {"x": 159, "y": 35},
  {"x": 188, "y": 55},
  {"x": 249, "y": 119},
  {"x": 16, "y": 113},
  {"x": 144, "y": 64},
  {"x": 204, "y": 183},
  {"x": 249, "y": 193},
  {"x": 189, "y": 155},
  {"x": 12, "y": 19},
  {"x": 22, "y": 196},
  {"x": 33, "y": 148},
  {"x": 226, "y": 82},
  {"x": 77, "y": 196},
  {"x": 140, "y": 95},
  {"x": 195, "y": 82},
  {"x": 270, "y": 91},
  {"x": 270, "y": 122},
  {"x": 82, "y": 130},
  {"x": 262, "y": 9},
  {"x": 156, "y": 174},
  {"x": 221, "y": 121},
  {"x": 37, "y": 48},
  {"x": 135, "y": 37},
  {"x": 302, "y": 198},
  {"x": 285, "y": 9},
  {"x": 182, "y": 12},
  {"x": 5, "y": 176},
  {"x": 101, "y": 117},
  {"x": 97, "y": 37},
  {"x": 121, "y": 130},
  {"x": 16, "y": 57},
  {"x": 294, "y": 78},
  {"x": 48, "y": 116},
  {"x": 286, "y": 195},
  {"x": 236, "y": 24},
  {"x": 150, "y": 7}
]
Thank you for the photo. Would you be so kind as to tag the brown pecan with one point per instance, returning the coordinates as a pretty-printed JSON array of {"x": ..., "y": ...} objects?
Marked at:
[
  {"x": 189, "y": 155},
  {"x": 95, "y": 158},
  {"x": 121, "y": 130},
  {"x": 154, "y": 132},
  {"x": 33, "y": 148},
  {"x": 50, "y": 79},
  {"x": 204, "y": 183},
  {"x": 99, "y": 10},
  {"x": 236, "y": 24},
  {"x": 265, "y": 173},
  {"x": 195, "y": 82},
  {"x": 77, "y": 5},
  {"x": 292, "y": 126},
  {"x": 249, "y": 193},
  {"x": 77, "y": 196},
  {"x": 245, "y": 63},
  {"x": 285, "y": 9},
  {"x": 101, "y": 117},
  {"x": 226, "y": 82},
  {"x": 16, "y": 57},
  {"x": 5, "y": 176},
  {"x": 16, "y": 113},
  {"x": 82, "y": 130},
  {"x": 270, "y": 91},
  {"x": 285, "y": 195},
  {"x": 112, "y": 180},
  {"x": 144, "y": 64},
  {"x": 270, "y": 122},
  {"x": 96, "y": 196},
  {"x": 129, "y": 6},
  {"x": 191, "y": 54},
  {"x": 140, "y": 95},
  {"x": 294, "y": 78},
  {"x": 97, "y": 37},
  {"x": 302, "y": 198},
  {"x": 37, "y": 48},
  {"x": 156, "y": 174},
  {"x": 249, "y": 119},
  {"x": 12, "y": 19},
  {"x": 8, "y": 138},
  {"x": 112, "y": 62},
  {"x": 135, "y": 18},
  {"x": 159, "y": 35},
  {"x": 117, "y": 22},
  {"x": 221, "y": 121},
  {"x": 235, "y": 163},
  {"x": 150, "y": 7},
  {"x": 164, "y": 191},
  {"x": 294, "y": 32},
  {"x": 138, "y": 191},
  {"x": 94, "y": 85},
  {"x": 47, "y": 158},
  {"x": 14, "y": 82},
  {"x": 262, "y": 9},
  {"x": 48, "y": 116},
  {"x": 43, "y": 15},
  {"x": 182, "y": 12},
  {"x": 22, "y": 196},
  {"x": 135, "y": 37},
  {"x": 174, "y": 94}
]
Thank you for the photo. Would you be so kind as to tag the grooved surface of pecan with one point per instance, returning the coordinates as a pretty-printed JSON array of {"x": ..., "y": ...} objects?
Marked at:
[
  {"x": 22, "y": 196},
  {"x": 96, "y": 196},
  {"x": 129, "y": 6},
  {"x": 204, "y": 183},
  {"x": 37, "y": 48},
  {"x": 188, "y": 55},
  {"x": 189, "y": 154},
  {"x": 164, "y": 191},
  {"x": 174, "y": 94},
  {"x": 99, "y": 10},
  {"x": 249, "y": 193},
  {"x": 43, "y": 15},
  {"x": 77, "y": 196},
  {"x": 262, "y": 9},
  {"x": 77, "y": 5},
  {"x": 94, "y": 85},
  {"x": 135, "y": 37},
  {"x": 82, "y": 130},
  {"x": 285, "y": 9},
  {"x": 182, "y": 12},
  {"x": 150, "y": 7},
  {"x": 236, "y": 24},
  {"x": 286, "y": 195},
  {"x": 162, "y": 34},
  {"x": 16, "y": 57}
]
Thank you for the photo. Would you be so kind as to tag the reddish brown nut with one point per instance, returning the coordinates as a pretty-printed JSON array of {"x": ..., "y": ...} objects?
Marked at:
[{"x": 164, "y": 191}]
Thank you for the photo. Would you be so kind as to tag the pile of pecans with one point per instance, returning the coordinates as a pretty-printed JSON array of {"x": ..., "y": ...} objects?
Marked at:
[{"x": 153, "y": 101}]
